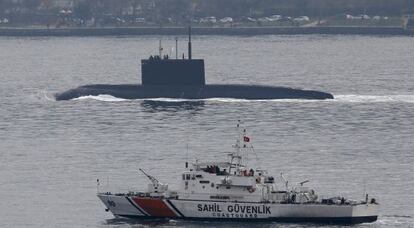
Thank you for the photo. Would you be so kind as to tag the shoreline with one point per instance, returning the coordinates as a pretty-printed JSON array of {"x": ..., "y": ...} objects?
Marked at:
[{"x": 228, "y": 31}]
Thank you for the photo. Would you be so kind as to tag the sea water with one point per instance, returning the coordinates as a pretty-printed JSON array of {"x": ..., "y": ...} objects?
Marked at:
[{"x": 52, "y": 152}]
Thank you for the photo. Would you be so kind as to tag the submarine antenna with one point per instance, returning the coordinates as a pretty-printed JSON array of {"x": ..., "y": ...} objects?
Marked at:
[
  {"x": 176, "y": 47},
  {"x": 189, "y": 42},
  {"x": 160, "y": 49}
]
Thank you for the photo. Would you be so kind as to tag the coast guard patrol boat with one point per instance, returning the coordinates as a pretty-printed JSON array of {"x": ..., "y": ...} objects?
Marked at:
[{"x": 230, "y": 190}]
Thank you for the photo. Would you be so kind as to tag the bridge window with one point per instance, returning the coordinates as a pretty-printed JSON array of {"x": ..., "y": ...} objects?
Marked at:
[{"x": 204, "y": 182}]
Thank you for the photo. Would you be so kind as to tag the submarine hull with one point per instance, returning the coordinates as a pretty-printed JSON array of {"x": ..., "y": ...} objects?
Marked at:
[{"x": 193, "y": 92}]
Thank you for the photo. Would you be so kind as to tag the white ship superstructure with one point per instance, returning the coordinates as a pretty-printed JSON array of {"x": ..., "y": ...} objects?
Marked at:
[{"x": 232, "y": 191}]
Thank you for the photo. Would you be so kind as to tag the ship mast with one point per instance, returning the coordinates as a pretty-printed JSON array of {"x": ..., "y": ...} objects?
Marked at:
[{"x": 236, "y": 157}]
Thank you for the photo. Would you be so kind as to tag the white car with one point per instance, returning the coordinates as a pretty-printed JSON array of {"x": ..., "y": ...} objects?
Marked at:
[
  {"x": 226, "y": 20},
  {"x": 140, "y": 20},
  {"x": 349, "y": 17},
  {"x": 275, "y": 17},
  {"x": 264, "y": 19},
  {"x": 208, "y": 20},
  {"x": 251, "y": 19},
  {"x": 302, "y": 18}
]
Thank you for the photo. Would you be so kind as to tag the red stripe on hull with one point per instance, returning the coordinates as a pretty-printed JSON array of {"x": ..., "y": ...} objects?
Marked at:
[{"x": 154, "y": 207}]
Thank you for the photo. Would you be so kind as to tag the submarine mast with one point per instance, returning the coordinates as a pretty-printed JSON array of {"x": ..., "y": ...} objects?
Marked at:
[
  {"x": 176, "y": 47},
  {"x": 160, "y": 49},
  {"x": 189, "y": 42}
]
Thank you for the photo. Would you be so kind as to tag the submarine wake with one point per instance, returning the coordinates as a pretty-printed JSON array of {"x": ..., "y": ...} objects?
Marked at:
[{"x": 375, "y": 98}]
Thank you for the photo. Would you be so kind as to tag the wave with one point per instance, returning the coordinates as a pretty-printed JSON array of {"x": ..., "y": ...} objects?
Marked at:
[
  {"x": 42, "y": 95},
  {"x": 397, "y": 216},
  {"x": 374, "y": 98},
  {"x": 351, "y": 98},
  {"x": 102, "y": 97},
  {"x": 395, "y": 221}
]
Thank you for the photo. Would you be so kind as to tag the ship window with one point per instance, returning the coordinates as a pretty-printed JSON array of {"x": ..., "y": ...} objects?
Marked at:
[
  {"x": 212, "y": 185},
  {"x": 188, "y": 176},
  {"x": 228, "y": 187},
  {"x": 199, "y": 176},
  {"x": 219, "y": 197},
  {"x": 204, "y": 182},
  {"x": 183, "y": 176}
]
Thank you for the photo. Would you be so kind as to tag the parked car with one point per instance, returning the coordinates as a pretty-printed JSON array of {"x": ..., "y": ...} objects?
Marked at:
[
  {"x": 285, "y": 19},
  {"x": 263, "y": 19},
  {"x": 208, "y": 20},
  {"x": 301, "y": 18},
  {"x": 226, "y": 20},
  {"x": 275, "y": 17},
  {"x": 358, "y": 17},
  {"x": 139, "y": 20},
  {"x": 4, "y": 21}
]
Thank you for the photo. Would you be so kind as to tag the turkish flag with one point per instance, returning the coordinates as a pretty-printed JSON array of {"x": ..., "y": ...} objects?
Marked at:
[{"x": 246, "y": 139}]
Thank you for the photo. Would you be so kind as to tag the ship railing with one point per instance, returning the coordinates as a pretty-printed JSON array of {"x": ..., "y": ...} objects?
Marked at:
[{"x": 240, "y": 197}]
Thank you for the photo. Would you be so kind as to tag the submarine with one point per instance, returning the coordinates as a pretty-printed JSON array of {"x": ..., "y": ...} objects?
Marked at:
[{"x": 163, "y": 77}]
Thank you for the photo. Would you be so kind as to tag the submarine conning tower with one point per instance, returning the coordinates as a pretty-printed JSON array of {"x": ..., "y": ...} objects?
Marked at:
[{"x": 162, "y": 70}]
